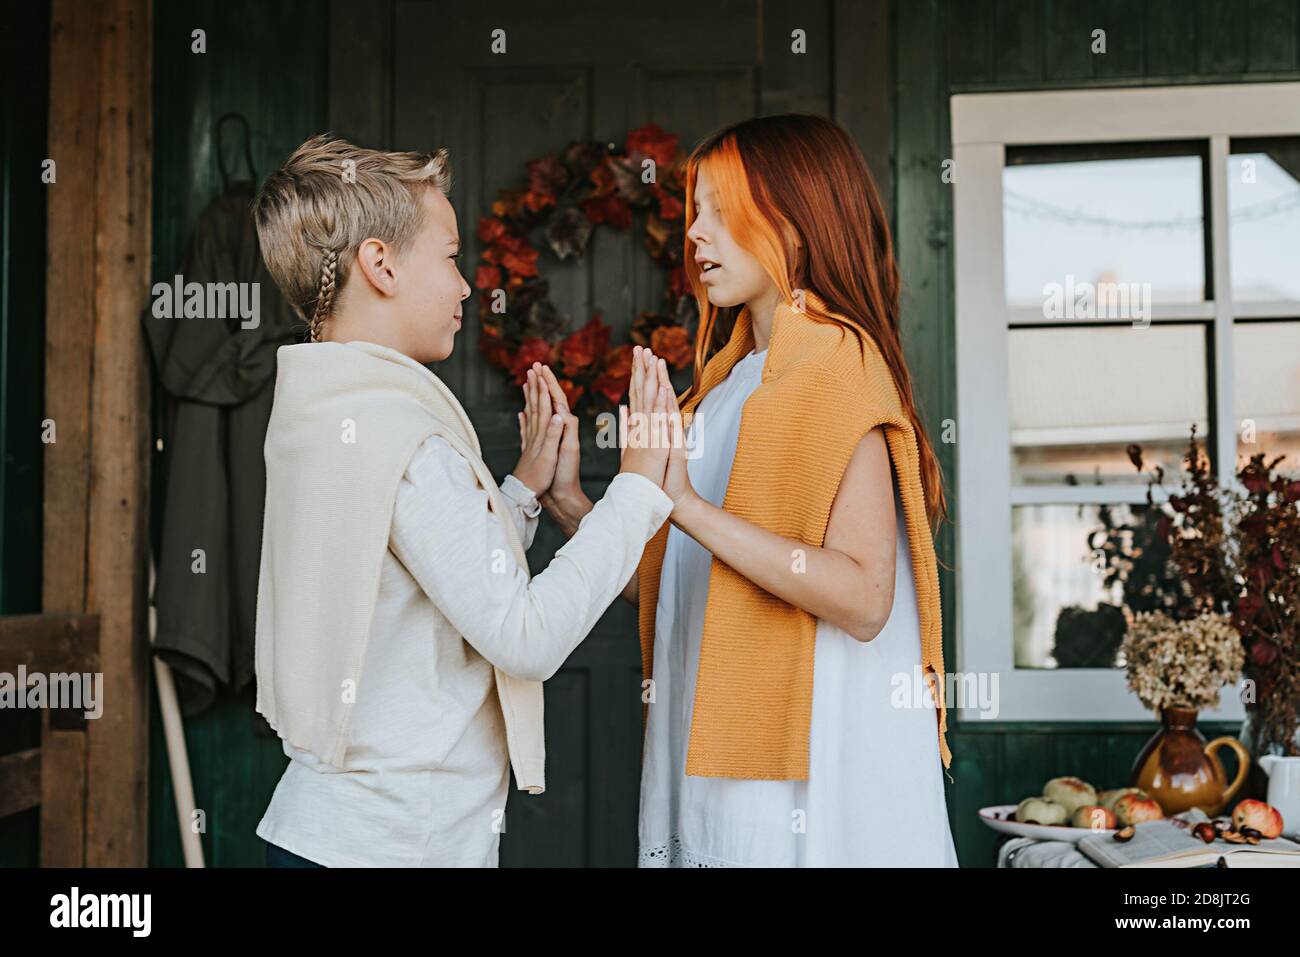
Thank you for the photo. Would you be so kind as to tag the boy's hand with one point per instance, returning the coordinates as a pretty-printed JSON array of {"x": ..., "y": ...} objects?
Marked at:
[
  {"x": 540, "y": 428},
  {"x": 566, "y": 484},
  {"x": 565, "y": 501}
]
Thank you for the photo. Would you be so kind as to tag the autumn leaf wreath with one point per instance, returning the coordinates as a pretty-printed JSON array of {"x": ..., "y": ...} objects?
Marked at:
[{"x": 569, "y": 194}]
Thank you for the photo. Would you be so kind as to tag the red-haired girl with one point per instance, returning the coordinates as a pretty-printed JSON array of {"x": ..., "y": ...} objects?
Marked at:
[{"x": 789, "y": 615}]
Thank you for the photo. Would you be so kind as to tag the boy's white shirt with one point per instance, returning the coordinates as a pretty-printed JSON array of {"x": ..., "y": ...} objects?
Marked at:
[{"x": 345, "y": 423}]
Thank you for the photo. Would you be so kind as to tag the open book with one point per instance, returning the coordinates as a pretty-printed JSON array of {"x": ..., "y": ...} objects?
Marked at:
[{"x": 1170, "y": 843}]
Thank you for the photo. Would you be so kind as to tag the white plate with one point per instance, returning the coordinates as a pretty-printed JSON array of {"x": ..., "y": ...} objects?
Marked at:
[{"x": 997, "y": 817}]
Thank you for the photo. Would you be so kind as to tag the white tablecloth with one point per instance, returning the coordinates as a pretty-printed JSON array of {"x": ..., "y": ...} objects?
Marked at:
[{"x": 1027, "y": 852}]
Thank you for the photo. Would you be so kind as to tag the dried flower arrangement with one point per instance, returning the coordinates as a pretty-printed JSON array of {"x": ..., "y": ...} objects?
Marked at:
[
  {"x": 1184, "y": 663},
  {"x": 1224, "y": 550}
]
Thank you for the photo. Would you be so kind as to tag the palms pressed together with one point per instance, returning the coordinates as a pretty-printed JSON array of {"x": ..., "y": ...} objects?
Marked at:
[{"x": 549, "y": 441}]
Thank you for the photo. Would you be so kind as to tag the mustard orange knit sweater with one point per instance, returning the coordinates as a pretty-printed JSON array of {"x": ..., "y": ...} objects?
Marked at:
[{"x": 818, "y": 397}]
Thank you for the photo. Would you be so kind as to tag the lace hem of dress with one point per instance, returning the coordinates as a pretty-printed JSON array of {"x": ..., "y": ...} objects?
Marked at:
[{"x": 672, "y": 854}]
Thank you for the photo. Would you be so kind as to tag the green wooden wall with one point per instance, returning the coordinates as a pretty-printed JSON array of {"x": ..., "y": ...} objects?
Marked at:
[
  {"x": 267, "y": 61},
  {"x": 942, "y": 47}
]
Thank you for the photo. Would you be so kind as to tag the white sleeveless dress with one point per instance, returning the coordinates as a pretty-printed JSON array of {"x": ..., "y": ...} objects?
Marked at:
[{"x": 874, "y": 794}]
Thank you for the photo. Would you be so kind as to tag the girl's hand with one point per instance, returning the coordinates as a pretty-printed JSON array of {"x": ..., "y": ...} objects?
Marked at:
[
  {"x": 646, "y": 449},
  {"x": 540, "y": 429},
  {"x": 677, "y": 481}
]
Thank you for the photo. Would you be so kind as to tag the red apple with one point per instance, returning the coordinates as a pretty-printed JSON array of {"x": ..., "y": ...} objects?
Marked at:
[
  {"x": 1108, "y": 798},
  {"x": 1262, "y": 817},
  {"x": 1094, "y": 817},
  {"x": 1131, "y": 809}
]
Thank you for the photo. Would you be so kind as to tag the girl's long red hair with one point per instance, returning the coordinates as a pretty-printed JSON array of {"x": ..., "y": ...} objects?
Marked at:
[{"x": 794, "y": 175}]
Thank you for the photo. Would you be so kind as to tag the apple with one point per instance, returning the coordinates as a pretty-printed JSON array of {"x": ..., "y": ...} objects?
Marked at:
[
  {"x": 1107, "y": 799},
  {"x": 1261, "y": 816},
  {"x": 1133, "y": 809},
  {"x": 1094, "y": 817},
  {"x": 1070, "y": 793},
  {"x": 1040, "y": 810}
]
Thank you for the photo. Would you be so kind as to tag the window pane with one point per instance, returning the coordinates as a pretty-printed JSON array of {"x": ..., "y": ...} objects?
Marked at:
[
  {"x": 1266, "y": 383},
  {"x": 1264, "y": 219},
  {"x": 1075, "y": 571},
  {"x": 1080, "y": 395},
  {"x": 1124, "y": 220}
]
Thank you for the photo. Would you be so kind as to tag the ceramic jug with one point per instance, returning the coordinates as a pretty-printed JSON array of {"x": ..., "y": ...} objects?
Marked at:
[
  {"x": 1181, "y": 771},
  {"x": 1284, "y": 790}
]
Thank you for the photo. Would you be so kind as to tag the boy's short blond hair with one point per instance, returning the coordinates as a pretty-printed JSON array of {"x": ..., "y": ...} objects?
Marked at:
[{"x": 329, "y": 196}]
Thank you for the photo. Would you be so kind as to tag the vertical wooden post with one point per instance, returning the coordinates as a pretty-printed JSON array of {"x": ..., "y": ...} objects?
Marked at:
[{"x": 94, "y": 783}]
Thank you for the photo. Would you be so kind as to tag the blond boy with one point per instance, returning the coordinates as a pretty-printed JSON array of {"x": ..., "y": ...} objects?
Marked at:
[{"x": 401, "y": 644}]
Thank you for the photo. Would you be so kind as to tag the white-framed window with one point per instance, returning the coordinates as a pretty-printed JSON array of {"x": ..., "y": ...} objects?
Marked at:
[{"x": 1127, "y": 263}]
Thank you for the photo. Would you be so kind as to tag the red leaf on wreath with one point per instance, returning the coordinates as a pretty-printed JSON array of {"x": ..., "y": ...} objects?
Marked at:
[
  {"x": 673, "y": 345},
  {"x": 613, "y": 382},
  {"x": 532, "y": 350},
  {"x": 521, "y": 262},
  {"x": 494, "y": 348},
  {"x": 511, "y": 243},
  {"x": 673, "y": 178},
  {"x": 535, "y": 202},
  {"x": 490, "y": 229},
  {"x": 653, "y": 141},
  {"x": 608, "y": 209},
  {"x": 506, "y": 205},
  {"x": 602, "y": 178},
  {"x": 572, "y": 392},
  {"x": 487, "y": 277},
  {"x": 578, "y": 352},
  {"x": 670, "y": 207}
]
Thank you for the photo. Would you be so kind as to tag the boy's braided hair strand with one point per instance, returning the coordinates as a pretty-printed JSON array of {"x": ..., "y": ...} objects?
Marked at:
[{"x": 325, "y": 295}]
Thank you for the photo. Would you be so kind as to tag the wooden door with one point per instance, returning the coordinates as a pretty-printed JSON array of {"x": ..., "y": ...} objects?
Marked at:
[{"x": 413, "y": 75}]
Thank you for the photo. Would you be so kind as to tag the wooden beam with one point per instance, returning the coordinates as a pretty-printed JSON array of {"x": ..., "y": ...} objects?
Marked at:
[
  {"x": 117, "y": 822},
  {"x": 20, "y": 781},
  {"x": 69, "y": 322},
  {"x": 94, "y": 784},
  {"x": 49, "y": 643}
]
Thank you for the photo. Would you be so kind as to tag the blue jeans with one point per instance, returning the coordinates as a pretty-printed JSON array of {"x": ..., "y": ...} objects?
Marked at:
[{"x": 277, "y": 856}]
